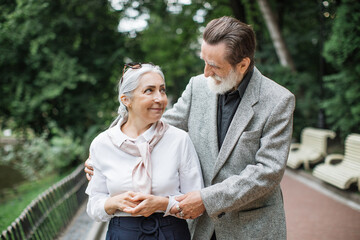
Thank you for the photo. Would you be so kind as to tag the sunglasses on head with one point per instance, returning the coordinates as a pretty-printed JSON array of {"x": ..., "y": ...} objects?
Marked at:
[{"x": 132, "y": 65}]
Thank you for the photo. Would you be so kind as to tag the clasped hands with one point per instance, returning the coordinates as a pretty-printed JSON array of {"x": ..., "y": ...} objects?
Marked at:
[
  {"x": 135, "y": 203},
  {"x": 190, "y": 205}
]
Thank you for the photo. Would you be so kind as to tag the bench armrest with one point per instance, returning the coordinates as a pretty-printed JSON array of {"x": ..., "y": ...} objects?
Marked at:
[
  {"x": 333, "y": 157},
  {"x": 294, "y": 146}
]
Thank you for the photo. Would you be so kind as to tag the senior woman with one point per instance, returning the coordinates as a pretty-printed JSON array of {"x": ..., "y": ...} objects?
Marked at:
[{"x": 141, "y": 163}]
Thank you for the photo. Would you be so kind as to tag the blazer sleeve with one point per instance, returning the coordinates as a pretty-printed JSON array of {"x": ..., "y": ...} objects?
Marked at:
[
  {"x": 178, "y": 115},
  {"x": 257, "y": 180}
]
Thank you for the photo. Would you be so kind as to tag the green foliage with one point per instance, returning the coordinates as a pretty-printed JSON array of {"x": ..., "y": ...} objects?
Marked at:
[
  {"x": 342, "y": 50},
  {"x": 55, "y": 56},
  {"x": 175, "y": 51},
  {"x": 343, "y": 108},
  {"x": 42, "y": 155}
]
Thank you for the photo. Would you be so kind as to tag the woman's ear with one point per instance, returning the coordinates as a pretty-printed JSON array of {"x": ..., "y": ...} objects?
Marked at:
[
  {"x": 125, "y": 100},
  {"x": 242, "y": 66}
]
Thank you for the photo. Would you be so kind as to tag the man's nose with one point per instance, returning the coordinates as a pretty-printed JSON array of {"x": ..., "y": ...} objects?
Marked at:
[{"x": 207, "y": 71}]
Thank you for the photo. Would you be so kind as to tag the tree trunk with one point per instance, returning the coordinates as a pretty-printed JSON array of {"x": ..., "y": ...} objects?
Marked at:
[{"x": 274, "y": 30}]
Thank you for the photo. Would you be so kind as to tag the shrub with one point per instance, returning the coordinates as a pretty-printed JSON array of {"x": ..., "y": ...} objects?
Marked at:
[{"x": 42, "y": 155}]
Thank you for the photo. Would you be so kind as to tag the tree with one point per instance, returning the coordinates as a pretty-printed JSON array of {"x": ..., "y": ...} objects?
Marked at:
[
  {"x": 342, "y": 50},
  {"x": 276, "y": 35},
  {"x": 59, "y": 63}
]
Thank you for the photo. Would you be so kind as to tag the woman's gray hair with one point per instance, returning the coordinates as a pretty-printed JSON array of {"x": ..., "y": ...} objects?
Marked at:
[{"x": 130, "y": 81}]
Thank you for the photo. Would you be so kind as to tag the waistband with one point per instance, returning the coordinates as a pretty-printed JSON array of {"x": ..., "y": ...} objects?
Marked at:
[{"x": 151, "y": 225}]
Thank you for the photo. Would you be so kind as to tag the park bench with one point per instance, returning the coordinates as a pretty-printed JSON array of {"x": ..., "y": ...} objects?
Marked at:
[
  {"x": 345, "y": 173},
  {"x": 311, "y": 149}
]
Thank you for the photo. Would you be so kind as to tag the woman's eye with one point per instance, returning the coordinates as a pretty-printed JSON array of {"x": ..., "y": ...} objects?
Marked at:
[
  {"x": 148, "y": 90},
  {"x": 163, "y": 90}
]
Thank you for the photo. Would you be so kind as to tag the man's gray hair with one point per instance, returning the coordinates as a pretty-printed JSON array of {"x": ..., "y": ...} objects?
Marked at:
[{"x": 239, "y": 38}]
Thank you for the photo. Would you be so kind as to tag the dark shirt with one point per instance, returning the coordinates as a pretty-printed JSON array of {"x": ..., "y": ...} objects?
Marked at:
[{"x": 227, "y": 105}]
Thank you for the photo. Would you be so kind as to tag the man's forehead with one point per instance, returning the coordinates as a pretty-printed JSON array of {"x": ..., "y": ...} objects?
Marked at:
[{"x": 212, "y": 54}]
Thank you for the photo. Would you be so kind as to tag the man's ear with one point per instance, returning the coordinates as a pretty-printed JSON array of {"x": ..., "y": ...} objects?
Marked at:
[
  {"x": 242, "y": 66},
  {"x": 125, "y": 100}
]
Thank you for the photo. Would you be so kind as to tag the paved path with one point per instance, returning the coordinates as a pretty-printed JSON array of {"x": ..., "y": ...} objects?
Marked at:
[
  {"x": 312, "y": 213},
  {"x": 315, "y": 215}
]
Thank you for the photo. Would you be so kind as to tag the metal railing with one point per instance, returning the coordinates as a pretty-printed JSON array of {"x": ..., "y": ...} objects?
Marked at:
[{"x": 49, "y": 213}]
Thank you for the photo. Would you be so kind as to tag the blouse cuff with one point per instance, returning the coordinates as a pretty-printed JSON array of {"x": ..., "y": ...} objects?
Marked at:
[
  {"x": 171, "y": 203},
  {"x": 104, "y": 216}
]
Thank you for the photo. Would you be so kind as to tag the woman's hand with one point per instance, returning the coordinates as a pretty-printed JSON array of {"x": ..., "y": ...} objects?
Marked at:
[
  {"x": 149, "y": 204},
  {"x": 120, "y": 202},
  {"x": 89, "y": 170}
]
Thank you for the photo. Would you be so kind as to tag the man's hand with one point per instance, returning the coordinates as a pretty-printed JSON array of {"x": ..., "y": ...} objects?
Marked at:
[
  {"x": 89, "y": 170},
  {"x": 190, "y": 204}
]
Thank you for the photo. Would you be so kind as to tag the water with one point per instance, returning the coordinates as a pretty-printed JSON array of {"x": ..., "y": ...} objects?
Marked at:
[{"x": 9, "y": 177}]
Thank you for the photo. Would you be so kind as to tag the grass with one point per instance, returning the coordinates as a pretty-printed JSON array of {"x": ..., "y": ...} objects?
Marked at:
[{"x": 13, "y": 201}]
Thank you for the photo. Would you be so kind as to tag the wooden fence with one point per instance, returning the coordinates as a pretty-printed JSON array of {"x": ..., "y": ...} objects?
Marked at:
[{"x": 47, "y": 215}]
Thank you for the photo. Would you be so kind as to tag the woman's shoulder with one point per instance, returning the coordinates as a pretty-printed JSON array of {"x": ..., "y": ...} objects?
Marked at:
[
  {"x": 176, "y": 132},
  {"x": 100, "y": 139}
]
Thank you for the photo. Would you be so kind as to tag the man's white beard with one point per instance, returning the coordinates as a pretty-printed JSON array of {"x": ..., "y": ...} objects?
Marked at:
[{"x": 226, "y": 83}]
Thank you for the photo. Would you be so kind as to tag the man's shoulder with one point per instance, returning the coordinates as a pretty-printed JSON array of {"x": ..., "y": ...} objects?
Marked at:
[
  {"x": 272, "y": 87},
  {"x": 199, "y": 77},
  {"x": 199, "y": 80},
  {"x": 276, "y": 87},
  {"x": 200, "y": 88}
]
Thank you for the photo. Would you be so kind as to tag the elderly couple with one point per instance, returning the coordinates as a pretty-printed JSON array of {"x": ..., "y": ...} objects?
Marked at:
[{"x": 211, "y": 167}]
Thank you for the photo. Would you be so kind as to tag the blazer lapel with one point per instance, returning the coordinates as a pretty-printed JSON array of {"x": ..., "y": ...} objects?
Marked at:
[
  {"x": 242, "y": 117},
  {"x": 213, "y": 137}
]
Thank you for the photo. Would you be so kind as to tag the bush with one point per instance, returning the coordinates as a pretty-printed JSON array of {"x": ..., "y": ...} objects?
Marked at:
[{"x": 42, "y": 155}]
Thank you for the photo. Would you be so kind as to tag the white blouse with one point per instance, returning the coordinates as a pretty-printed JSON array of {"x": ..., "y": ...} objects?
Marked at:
[{"x": 175, "y": 168}]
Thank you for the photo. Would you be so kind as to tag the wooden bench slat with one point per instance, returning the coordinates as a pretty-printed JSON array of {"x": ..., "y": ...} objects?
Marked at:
[
  {"x": 347, "y": 172},
  {"x": 313, "y": 147}
]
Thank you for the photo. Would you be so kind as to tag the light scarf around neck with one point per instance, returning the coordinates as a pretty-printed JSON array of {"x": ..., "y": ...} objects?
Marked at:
[{"x": 142, "y": 173}]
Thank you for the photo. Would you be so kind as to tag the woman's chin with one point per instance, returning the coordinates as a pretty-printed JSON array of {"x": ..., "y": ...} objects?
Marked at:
[{"x": 155, "y": 117}]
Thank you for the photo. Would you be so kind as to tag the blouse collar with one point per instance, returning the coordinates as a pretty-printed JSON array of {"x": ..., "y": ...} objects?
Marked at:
[{"x": 117, "y": 137}]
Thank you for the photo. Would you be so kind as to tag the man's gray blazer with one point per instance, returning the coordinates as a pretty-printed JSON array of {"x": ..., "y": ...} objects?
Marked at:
[{"x": 242, "y": 194}]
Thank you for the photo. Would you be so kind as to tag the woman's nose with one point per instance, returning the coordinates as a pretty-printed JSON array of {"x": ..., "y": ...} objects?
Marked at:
[{"x": 158, "y": 97}]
